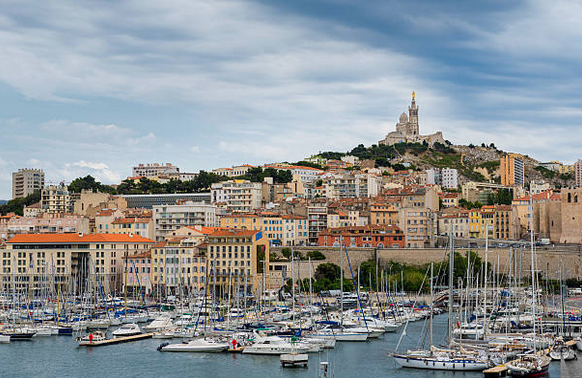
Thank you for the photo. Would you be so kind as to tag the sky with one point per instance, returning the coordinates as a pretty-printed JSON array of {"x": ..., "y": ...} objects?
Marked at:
[{"x": 95, "y": 87}]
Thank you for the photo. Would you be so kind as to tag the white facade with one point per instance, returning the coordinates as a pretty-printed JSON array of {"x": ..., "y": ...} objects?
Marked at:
[
  {"x": 446, "y": 177},
  {"x": 154, "y": 170},
  {"x": 172, "y": 217},
  {"x": 237, "y": 195}
]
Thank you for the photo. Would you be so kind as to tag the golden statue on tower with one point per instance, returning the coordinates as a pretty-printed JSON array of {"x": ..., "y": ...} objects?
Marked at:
[{"x": 412, "y": 95}]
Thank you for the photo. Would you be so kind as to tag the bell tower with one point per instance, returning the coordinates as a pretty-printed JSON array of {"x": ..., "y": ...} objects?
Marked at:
[{"x": 413, "y": 116}]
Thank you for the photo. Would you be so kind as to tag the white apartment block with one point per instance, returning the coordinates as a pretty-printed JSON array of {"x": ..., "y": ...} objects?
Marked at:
[
  {"x": 351, "y": 186},
  {"x": 447, "y": 178},
  {"x": 154, "y": 170},
  {"x": 26, "y": 181},
  {"x": 237, "y": 195},
  {"x": 239, "y": 170},
  {"x": 172, "y": 217}
]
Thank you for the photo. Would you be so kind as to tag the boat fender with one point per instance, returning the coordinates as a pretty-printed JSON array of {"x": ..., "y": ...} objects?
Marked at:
[{"x": 162, "y": 346}]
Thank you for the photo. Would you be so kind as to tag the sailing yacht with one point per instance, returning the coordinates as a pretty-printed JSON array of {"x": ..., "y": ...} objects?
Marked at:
[{"x": 442, "y": 359}]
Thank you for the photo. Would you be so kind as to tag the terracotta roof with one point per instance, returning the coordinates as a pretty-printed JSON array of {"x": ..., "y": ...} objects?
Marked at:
[
  {"x": 233, "y": 232},
  {"x": 206, "y": 230},
  {"x": 77, "y": 238},
  {"x": 143, "y": 255},
  {"x": 131, "y": 220},
  {"x": 159, "y": 245},
  {"x": 536, "y": 197}
]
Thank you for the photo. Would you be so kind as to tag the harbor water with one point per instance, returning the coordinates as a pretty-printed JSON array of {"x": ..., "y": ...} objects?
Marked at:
[{"x": 59, "y": 356}]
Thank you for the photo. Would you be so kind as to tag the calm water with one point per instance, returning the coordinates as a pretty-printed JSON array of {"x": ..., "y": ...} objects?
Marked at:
[{"x": 60, "y": 357}]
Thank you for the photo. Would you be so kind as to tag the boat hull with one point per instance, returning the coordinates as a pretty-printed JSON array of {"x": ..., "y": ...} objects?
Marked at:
[{"x": 435, "y": 364}]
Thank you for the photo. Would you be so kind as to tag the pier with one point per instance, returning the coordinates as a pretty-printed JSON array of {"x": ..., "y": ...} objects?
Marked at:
[{"x": 118, "y": 340}]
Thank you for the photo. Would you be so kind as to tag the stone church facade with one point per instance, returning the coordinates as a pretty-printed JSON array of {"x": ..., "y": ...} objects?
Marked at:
[{"x": 407, "y": 129}]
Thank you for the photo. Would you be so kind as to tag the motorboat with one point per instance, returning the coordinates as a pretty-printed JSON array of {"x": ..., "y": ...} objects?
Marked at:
[
  {"x": 92, "y": 337},
  {"x": 197, "y": 345},
  {"x": 162, "y": 322},
  {"x": 129, "y": 329},
  {"x": 4, "y": 339},
  {"x": 275, "y": 345}
]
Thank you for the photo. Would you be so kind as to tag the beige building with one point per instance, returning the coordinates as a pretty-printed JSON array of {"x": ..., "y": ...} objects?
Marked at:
[
  {"x": 38, "y": 260},
  {"x": 56, "y": 199},
  {"x": 416, "y": 224},
  {"x": 142, "y": 226},
  {"x": 384, "y": 213},
  {"x": 179, "y": 265},
  {"x": 571, "y": 200},
  {"x": 26, "y": 181},
  {"x": 237, "y": 259},
  {"x": 286, "y": 230},
  {"x": 457, "y": 220}
]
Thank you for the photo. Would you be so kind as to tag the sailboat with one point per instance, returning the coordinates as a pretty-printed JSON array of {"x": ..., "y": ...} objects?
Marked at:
[
  {"x": 442, "y": 359},
  {"x": 536, "y": 364}
]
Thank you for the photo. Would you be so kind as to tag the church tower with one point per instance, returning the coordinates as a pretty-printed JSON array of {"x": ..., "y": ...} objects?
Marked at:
[{"x": 413, "y": 117}]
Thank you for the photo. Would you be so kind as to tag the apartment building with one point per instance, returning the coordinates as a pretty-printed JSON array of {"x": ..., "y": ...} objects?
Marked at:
[
  {"x": 237, "y": 259},
  {"x": 237, "y": 195},
  {"x": 287, "y": 230},
  {"x": 56, "y": 199},
  {"x": 12, "y": 225},
  {"x": 169, "y": 218},
  {"x": 154, "y": 169},
  {"x": 142, "y": 226},
  {"x": 447, "y": 178},
  {"x": 235, "y": 171},
  {"x": 370, "y": 236},
  {"x": 137, "y": 274},
  {"x": 458, "y": 221},
  {"x": 492, "y": 221},
  {"x": 34, "y": 260},
  {"x": 384, "y": 212},
  {"x": 179, "y": 265},
  {"x": 512, "y": 170},
  {"x": 316, "y": 222},
  {"x": 26, "y": 181},
  {"x": 415, "y": 222}
]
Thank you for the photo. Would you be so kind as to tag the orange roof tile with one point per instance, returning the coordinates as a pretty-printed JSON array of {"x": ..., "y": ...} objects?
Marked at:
[
  {"x": 131, "y": 220},
  {"x": 77, "y": 238},
  {"x": 233, "y": 232}
]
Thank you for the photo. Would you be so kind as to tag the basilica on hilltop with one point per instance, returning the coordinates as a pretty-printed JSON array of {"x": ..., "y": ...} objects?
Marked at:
[{"x": 407, "y": 129}]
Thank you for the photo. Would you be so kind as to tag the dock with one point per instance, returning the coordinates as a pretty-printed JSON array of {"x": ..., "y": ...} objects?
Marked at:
[{"x": 118, "y": 340}]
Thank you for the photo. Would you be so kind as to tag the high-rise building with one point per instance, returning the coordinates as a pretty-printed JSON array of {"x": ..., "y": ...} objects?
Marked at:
[
  {"x": 578, "y": 173},
  {"x": 237, "y": 195},
  {"x": 512, "y": 170},
  {"x": 26, "y": 181}
]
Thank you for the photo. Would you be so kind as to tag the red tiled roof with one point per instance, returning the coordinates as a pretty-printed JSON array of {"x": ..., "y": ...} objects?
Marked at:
[
  {"x": 131, "y": 220},
  {"x": 143, "y": 255},
  {"x": 233, "y": 232},
  {"x": 77, "y": 238}
]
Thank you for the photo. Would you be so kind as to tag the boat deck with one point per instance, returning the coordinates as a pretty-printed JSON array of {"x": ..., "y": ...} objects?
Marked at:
[{"x": 117, "y": 340}]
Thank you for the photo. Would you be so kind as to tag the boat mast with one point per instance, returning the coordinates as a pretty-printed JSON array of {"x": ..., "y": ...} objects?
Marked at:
[
  {"x": 431, "y": 299},
  {"x": 341, "y": 282},
  {"x": 533, "y": 290},
  {"x": 451, "y": 262}
]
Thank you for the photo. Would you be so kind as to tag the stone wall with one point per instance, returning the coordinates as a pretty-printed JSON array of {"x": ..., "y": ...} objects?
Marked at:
[{"x": 548, "y": 261}]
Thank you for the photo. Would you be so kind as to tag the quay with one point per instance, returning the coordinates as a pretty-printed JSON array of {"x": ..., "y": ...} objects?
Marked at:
[{"x": 118, "y": 340}]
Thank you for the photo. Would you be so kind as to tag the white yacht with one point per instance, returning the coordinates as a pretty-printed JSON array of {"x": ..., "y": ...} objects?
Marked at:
[
  {"x": 129, "y": 329},
  {"x": 275, "y": 345},
  {"x": 196, "y": 345},
  {"x": 162, "y": 322}
]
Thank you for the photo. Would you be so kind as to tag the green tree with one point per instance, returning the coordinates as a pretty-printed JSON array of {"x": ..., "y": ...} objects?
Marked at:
[
  {"x": 329, "y": 271},
  {"x": 16, "y": 205}
]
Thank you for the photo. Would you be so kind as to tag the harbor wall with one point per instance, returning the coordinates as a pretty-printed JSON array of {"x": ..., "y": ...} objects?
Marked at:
[{"x": 548, "y": 260}]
